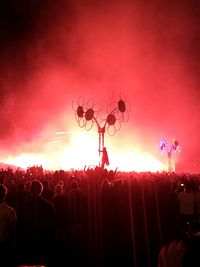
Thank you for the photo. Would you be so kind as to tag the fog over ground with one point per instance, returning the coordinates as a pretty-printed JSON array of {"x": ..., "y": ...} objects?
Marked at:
[{"x": 53, "y": 52}]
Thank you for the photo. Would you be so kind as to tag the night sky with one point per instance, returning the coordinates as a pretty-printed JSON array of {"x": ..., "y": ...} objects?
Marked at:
[{"x": 53, "y": 52}]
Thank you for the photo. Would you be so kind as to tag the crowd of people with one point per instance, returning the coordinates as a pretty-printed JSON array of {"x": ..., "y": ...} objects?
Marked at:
[{"x": 95, "y": 217}]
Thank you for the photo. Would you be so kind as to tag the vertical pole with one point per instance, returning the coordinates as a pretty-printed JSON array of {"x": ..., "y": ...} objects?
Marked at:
[
  {"x": 169, "y": 161},
  {"x": 102, "y": 140},
  {"x": 99, "y": 131}
]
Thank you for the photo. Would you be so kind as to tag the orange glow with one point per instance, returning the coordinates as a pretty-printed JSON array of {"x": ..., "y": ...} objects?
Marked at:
[{"x": 81, "y": 151}]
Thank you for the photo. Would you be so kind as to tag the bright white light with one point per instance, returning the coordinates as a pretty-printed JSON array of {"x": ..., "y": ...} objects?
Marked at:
[
  {"x": 80, "y": 150},
  {"x": 136, "y": 161},
  {"x": 27, "y": 160}
]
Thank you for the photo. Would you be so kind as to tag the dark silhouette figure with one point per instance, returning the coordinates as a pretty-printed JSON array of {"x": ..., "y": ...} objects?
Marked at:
[
  {"x": 46, "y": 192},
  {"x": 38, "y": 227},
  {"x": 77, "y": 212},
  {"x": 105, "y": 159},
  {"x": 7, "y": 230},
  {"x": 61, "y": 224}
]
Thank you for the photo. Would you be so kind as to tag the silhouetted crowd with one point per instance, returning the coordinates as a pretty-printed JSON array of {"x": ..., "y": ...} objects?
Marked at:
[{"x": 99, "y": 218}]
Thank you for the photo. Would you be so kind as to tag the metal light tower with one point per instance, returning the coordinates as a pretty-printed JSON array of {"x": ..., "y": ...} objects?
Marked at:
[
  {"x": 164, "y": 147},
  {"x": 87, "y": 114}
]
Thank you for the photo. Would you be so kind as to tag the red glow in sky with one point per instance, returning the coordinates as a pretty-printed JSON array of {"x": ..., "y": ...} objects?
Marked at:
[{"x": 53, "y": 54}]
